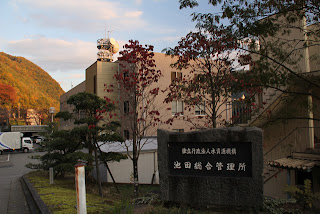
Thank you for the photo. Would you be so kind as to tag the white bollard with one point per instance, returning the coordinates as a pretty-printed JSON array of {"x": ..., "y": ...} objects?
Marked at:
[
  {"x": 81, "y": 189},
  {"x": 51, "y": 175}
]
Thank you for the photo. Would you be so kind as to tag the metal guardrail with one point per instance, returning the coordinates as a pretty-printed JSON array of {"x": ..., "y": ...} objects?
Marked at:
[
  {"x": 241, "y": 112},
  {"x": 39, "y": 128}
]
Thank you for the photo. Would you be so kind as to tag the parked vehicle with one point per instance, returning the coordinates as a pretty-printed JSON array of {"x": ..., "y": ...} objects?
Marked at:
[
  {"x": 33, "y": 138},
  {"x": 39, "y": 139},
  {"x": 10, "y": 141}
]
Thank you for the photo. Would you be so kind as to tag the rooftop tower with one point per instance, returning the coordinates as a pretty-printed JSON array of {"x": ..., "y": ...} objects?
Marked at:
[{"x": 107, "y": 47}]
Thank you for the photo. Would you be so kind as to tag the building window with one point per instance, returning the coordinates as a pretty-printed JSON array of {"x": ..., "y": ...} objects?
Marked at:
[
  {"x": 301, "y": 176},
  {"x": 241, "y": 113},
  {"x": 95, "y": 84},
  {"x": 126, "y": 134},
  {"x": 200, "y": 109},
  {"x": 176, "y": 76},
  {"x": 125, "y": 74},
  {"x": 126, "y": 107},
  {"x": 177, "y": 107},
  {"x": 199, "y": 78},
  {"x": 260, "y": 98},
  {"x": 81, "y": 115},
  {"x": 178, "y": 130}
]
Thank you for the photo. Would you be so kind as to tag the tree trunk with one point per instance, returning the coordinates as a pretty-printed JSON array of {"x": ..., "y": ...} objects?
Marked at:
[
  {"x": 98, "y": 172},
  {"x": 114, "y": 182},
  {"x": 135, "y": 168},
  {"x": 90, "y": 164},
  {"x": 107, "y": 166},
  {"x": 135, "y": 177},
  {"x": 135, "y": 149}
]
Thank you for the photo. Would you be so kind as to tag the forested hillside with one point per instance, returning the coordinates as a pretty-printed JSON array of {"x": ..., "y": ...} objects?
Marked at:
[{"x": 33, "y": 87}]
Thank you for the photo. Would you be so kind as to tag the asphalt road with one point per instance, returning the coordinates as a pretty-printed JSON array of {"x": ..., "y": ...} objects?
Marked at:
[{"x": 12, "y": 167}]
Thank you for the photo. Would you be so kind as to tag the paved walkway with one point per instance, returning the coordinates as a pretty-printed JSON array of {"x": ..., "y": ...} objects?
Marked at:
[
  {"x": 12, "y": 167},
  {"x": 17, "y": 202}
]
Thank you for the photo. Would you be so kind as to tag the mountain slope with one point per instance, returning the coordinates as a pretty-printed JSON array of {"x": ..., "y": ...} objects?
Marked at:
[{"x": 35, "y": 88}]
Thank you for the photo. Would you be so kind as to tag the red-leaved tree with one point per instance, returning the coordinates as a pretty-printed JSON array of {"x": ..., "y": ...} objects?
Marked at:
[
  {"x": 138, "y": 91},
  {"x": 8, "y": 97},
  {"x": 208, "y": 55}
]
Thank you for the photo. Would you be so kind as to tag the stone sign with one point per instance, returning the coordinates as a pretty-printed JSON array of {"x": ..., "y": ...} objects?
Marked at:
[{"x": 212, "y": 167}]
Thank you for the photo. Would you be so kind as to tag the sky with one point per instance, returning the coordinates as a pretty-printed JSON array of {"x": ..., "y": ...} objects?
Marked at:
[{"x": 60, "y": 35}]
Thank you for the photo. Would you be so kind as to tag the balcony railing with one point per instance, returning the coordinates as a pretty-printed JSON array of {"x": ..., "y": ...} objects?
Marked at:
[{"x": 241, "y": 112}]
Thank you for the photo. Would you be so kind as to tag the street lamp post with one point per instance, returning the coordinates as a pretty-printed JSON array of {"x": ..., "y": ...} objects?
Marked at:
[{"x": 52, "y": 110}]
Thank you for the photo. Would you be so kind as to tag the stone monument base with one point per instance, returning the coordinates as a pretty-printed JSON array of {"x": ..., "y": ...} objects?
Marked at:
[{"x": 218, "y": 167}]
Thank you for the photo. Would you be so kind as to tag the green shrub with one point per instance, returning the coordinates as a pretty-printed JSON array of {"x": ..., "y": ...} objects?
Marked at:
[
  {"x": 124, "y": 207},
  {"x": 279, "y": 206},
  {"x": 304, "y": 196}
]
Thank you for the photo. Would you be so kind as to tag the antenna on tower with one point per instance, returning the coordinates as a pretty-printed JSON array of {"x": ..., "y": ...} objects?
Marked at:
[
  {"x": 109, "y": 31},
  {"x": 107, "y": 47},
  {"x": 105, "y": 31}
]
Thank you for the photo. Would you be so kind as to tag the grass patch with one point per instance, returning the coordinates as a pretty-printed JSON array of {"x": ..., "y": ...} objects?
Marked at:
[{"x": 60, "y": 197}]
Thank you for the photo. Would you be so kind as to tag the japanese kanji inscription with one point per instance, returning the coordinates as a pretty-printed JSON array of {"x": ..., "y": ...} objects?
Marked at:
[{"x": 210, "y": 159}]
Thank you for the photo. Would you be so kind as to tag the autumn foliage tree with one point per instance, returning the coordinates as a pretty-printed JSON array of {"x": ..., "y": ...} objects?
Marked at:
[
  {"x": 8, "y": 98},
  {"x": 137, "y": 81},
  {"x": 35, "y": 89},
  {"x": 279, "y": 40},
  {"x": 206, "y": 53},
  {"x": 7, "y": 95}
]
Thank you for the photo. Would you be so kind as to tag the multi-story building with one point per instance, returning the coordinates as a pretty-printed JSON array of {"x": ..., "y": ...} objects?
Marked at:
[
  {"x": 101, "y": 74},
  {"x": 64, "y": 106},
  {"x": 289, "y": 115}
]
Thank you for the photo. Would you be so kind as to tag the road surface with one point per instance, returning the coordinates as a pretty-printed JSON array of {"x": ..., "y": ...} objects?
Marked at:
[{"x": 12, "y": 167}]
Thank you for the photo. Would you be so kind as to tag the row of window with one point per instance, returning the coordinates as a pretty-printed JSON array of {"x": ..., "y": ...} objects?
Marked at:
[
  {"x": 177, "y": 105},
  {"x": 177, "y": 108}
]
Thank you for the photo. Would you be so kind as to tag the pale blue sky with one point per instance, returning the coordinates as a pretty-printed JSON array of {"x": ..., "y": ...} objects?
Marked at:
[{"x": 60, "y": 35}]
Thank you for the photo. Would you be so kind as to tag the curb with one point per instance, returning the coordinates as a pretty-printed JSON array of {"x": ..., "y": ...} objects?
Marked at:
[
  {"x": 35, "y": 203},
  {"x": 8, "y": 164}
]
